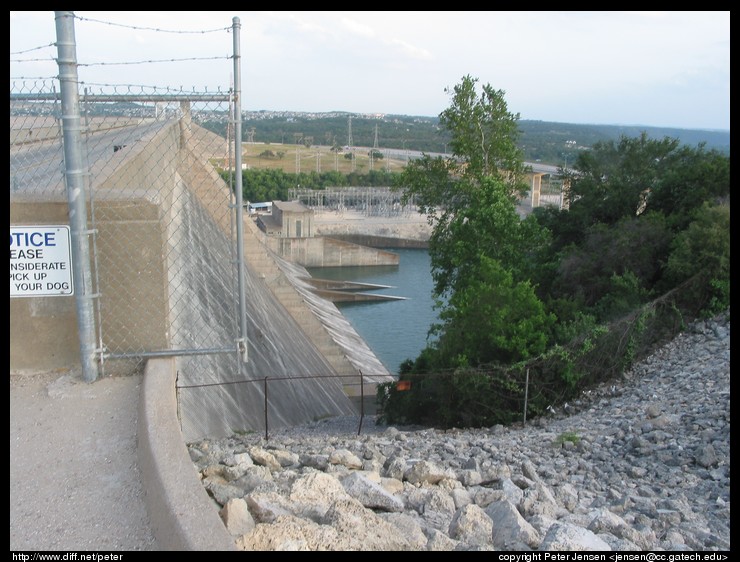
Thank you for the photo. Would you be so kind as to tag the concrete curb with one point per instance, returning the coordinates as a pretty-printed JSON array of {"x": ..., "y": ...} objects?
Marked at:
[{"x": 182, "y": 515}]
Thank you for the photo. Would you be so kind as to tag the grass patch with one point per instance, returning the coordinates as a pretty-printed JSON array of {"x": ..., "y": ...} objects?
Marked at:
[{"x": 567, "y": 437}]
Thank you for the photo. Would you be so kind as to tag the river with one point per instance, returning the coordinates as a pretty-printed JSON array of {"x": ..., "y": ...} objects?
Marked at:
[{"x": 395, "y": 330}]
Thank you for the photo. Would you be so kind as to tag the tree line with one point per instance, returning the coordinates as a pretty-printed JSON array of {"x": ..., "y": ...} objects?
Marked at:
[
  {"x": 262, "y": 184},
  {"x": 540, "y": 141}
]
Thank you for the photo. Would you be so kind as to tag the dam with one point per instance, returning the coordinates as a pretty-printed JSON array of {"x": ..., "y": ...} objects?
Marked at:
[{"x": 165, "y": 285}]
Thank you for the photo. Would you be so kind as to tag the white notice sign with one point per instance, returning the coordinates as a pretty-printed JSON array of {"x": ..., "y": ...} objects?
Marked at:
[{"x": 40, "y": 261}]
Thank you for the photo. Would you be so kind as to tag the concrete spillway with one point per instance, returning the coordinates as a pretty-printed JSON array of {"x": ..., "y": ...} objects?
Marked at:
[{"x": 350, "y": 291}]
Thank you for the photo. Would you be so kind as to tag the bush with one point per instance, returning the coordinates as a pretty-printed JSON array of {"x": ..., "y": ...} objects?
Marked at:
[{"x": 703, "y": 250}]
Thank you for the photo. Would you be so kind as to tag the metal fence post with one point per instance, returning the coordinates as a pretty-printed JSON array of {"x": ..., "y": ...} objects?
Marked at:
[
  {"x": 362, "y": 403},
  {"x": 242, "y": 341},
  {"x": 267, "y": 436},
  {"x": 74, "y": 175},
  {"x": 526, "y": 395}
]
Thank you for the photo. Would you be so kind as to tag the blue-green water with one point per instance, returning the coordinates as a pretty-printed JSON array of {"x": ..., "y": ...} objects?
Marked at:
[{"x": 395, "y": 330}]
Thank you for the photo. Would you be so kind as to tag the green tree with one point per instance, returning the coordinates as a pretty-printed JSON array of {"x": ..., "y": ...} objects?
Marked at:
[
  {"x": 480, "y": 249},
  {"x": 492, "y": 319},
  {"x": 633, "y": 176},
  {"x": 634, "y": 244},
  {"x": 489, "y": 228},
  {"x": 703, "y": 249},
  {"x": 484, "y": 134},
  {"x": 483, "y": 143},
  {"x": 456, "y": 191}
]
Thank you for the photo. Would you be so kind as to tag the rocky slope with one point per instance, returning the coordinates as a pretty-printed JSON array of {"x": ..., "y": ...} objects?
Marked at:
[{"x": 640, "y": 464}]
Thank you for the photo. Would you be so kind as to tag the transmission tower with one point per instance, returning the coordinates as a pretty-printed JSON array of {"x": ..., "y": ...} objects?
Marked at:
[
  {"x": 349, "y": 144},
  {"x": 250, "y": 135},
  {"x": 297, "y": 137},
  {"x": 375, "y": 144}
]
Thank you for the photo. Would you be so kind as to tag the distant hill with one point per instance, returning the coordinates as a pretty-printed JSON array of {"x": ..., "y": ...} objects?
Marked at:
[
  {"x": 551, "y": 142},
  {"x": 543, "y": 141}
]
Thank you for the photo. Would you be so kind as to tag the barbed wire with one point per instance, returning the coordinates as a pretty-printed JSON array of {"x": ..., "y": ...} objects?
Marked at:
[
  {"x": 151, "y": 61},
  {"x": 34, "y": 77},
  {"x": 227, "y": 29},
  {"x": 121, "y": 63},
  {"x": 217, "y": 90},
  {"x": 50, "y": 59},
  {"x": 33, "y": 49},
  {"x": 179, "y": 90}
]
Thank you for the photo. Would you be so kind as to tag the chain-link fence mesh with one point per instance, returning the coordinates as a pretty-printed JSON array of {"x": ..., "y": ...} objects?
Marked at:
[
  {"x": 172, "y": 270},
  {"x": 153, "y": 195},
  {"x": 164, "y": 259}
]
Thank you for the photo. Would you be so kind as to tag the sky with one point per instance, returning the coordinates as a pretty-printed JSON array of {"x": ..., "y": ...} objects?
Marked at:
[{"x": 659, "y": 69}]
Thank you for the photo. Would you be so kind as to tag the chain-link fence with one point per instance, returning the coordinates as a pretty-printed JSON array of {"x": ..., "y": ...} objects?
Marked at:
[
  {"x": 156, "y": 206},
  {"x": 170, "y": 274},
  {"x": 164, "y": 255}
]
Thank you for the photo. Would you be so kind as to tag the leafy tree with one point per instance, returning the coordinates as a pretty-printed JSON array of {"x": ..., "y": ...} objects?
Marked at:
[
  {"x": 613, "y": 181},
  {"x": 483, "y": 143},
  {"x": 703, "y": 249},
  {"x": 480, "y": 249},
  {"x": 633, "y": 176},
  {"x": 492, "y": 319},
  {"x": 484, "y": 135},
  {"x": 629, "y": 199},
  {"x": 489, "y": 228},
  {"x": 638, "y": 245},
  {"x": 465, "y": 193},
  {"x": 691, "y": 177}
]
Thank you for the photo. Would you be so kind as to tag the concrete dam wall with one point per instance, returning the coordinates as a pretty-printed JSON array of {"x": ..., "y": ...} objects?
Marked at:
[
  {"x": 167, "y": 280},
  {"x": 301, "y": 349}
]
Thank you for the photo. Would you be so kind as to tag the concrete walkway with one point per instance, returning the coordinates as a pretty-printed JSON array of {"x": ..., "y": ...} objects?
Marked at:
[{"x": 75, "y": 482}]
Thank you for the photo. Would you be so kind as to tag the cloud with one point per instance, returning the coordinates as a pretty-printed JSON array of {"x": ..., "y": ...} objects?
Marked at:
[
  {"x": 357, "y": 28},
  {"x": 410, "y": 50}
]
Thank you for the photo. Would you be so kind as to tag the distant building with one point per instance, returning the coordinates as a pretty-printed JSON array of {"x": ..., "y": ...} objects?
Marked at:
[
  {"x": 254, "y": 208},
  {"x": 288, "y": 219}
]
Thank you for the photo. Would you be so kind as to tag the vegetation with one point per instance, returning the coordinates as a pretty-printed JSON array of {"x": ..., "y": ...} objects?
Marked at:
[
  {"x": 539, "y": 141},
  {"x": 533, "y": 310},
  {"x": 567, "y": 437},
  {"x": 272, "y": 184},
  {"x": 542, "y": 307}
]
